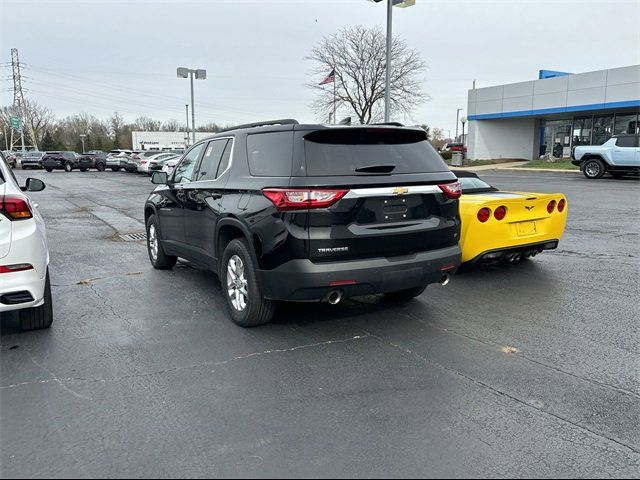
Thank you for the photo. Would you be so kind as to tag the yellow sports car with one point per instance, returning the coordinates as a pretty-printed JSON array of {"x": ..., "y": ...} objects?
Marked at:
[{"x": 507, "y": 226}]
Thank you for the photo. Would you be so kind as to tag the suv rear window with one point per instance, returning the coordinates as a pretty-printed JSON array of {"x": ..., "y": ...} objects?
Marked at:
[
  {"x": 626, "y": 141},
  {"x": 362, "y": 151},
  {"x": 270, "y": 154}
]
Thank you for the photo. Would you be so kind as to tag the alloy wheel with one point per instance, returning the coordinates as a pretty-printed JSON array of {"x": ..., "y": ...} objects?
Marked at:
[
  {"x": 237, "y": 283},
  {"x": 592, "y": 169},
  {"x": 153, "y": 242}
]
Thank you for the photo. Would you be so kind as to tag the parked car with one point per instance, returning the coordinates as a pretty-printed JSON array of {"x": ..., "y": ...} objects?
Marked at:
[
  {"x": 66, "y": 161},
  {"x": 169, "y": 165},
  {"x": 283, "y": 211},
  {"x": 32, "y": 159},
  {"x": 157, "y": 159},
  {"x": 118, "y": 159},
  {"x": 12, "y": 157},
  {"x": 507, "y": 226},
  {"x": 93, "y": 159},
  {"x": 619, "y": 155},
  {"x": 454, "y": 147},
  {"x": 24, "y": 255}
]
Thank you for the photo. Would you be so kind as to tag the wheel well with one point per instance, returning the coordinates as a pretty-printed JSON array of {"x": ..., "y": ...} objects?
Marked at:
[
  {"x": 147, "y": 213},
  {"x": 225, "y": 235}
]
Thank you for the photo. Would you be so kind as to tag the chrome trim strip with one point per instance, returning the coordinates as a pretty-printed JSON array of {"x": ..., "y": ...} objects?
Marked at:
[{"x": 391, "y": 191}]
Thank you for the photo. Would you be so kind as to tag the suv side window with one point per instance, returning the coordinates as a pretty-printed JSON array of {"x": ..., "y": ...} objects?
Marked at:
[
  {"x": 270, "y": 154},
  {"x": 186, "y": 168},
  {"x": 211, "y": 159},
  {"x": 226, "y": 159},
  {"x": 626, "y": 141}
]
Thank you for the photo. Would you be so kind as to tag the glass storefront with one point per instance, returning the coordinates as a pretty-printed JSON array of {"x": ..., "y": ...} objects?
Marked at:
[{"x": 558, "y": 137}]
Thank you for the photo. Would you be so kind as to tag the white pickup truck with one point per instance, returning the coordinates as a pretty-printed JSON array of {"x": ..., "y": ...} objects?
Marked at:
[{"x": 619, "y": 155}]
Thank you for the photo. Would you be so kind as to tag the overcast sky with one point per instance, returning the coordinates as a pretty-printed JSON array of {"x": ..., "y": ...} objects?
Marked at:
[{"x": 99, "y": 57}]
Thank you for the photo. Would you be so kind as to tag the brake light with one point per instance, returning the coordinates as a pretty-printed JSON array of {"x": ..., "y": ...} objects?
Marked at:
[
  {"x": 484, "y": 214},
  {"x": 561, "y": 204},
  {"x": 143, "y": 162},
  {"x": 302, "y": 199},
  {"x": 15, "y": 207},
  {"x": 500, "y": 212},
  {"x": 451, "y": 190},
  {"x": 19, "y": 267},
  {"x": 551, "y": 205}
]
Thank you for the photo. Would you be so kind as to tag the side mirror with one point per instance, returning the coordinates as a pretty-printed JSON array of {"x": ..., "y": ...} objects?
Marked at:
[
  {"x": 33, "y": 185},
  {"x": 159, "y": 178}
]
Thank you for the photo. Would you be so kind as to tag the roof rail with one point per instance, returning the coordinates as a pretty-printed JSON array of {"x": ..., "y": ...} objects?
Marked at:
[
  {"x": 285, "y": 121},
  {"x": 391, "y": 124}
]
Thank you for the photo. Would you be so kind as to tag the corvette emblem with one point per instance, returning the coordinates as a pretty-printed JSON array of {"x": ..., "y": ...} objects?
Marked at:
[
  {"x": 400, "y": 190},
  {"x": 529, "y": 207}
]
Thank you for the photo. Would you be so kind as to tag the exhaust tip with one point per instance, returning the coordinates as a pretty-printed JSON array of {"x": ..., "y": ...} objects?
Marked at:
[
  {"x": 334, "y": 297},
  {"x": 445, "y": 279}
]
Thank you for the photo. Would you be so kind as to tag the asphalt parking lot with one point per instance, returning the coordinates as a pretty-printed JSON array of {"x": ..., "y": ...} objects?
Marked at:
[{"x": 516, "y": 371}]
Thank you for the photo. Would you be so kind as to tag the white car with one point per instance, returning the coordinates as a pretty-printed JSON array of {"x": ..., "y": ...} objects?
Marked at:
[
  {"x": 117, "y": 159},
  {"x": 24, "y": 254},
  {"x": 169, "y": 165},
  {"x": 147, "y": 161}
]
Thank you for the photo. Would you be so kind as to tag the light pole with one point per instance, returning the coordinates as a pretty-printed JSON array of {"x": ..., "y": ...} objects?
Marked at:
[
  {"x": 463, "y": 120},
  {"x": 457, "y": 120},
  {"x": 82, "y": 135},
  {"x": 387, "y": 85},
  {"x": 199, "y": 74},
  {"x": 186, "y": 137}
]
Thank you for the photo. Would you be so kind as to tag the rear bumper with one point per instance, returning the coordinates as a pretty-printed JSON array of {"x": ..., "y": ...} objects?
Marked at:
[
  {"x": 304, "y": 280},
  {"x": 55, "y": 164},
  {"x": 21, "y": 290},
  {"x": 498, "y": 254}
]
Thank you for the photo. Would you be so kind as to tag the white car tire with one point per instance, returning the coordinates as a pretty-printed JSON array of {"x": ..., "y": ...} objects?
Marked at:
[{"x": 38, "y": 318}]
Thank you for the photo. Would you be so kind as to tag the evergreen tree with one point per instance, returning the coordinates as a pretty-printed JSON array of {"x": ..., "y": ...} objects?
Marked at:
[{"x": 48, "y": 143}]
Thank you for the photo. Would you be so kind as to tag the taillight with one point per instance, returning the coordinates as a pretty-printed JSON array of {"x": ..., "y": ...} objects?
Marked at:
[
  {"x": 302, "y": 199},
  {"x": 451, "y": 190},
  {"x": 561, "y": 204},
  {"x": 500, "y": 212},
  {"x": 19, "y": 267},
  {"x": 551, "y": 205},
  {"x": 143, "y": 162},
  {"x": 15, "y": 207},
  {"x": 484, "y": 214}
]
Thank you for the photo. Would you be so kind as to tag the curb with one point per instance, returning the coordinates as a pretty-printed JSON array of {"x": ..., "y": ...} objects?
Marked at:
[{"x": 553, "y": 170}]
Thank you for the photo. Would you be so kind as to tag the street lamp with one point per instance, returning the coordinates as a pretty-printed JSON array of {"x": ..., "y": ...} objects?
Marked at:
[
  {"x": 82, "y": 135},
  {"x": 199, "y": 74},
  {"x": 457, "y": 120},
  {"x": 387, "y": 87},
  {"x": 463, "y": 120}
]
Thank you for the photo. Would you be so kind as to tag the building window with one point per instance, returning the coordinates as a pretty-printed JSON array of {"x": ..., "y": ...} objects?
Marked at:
[
  {"x": 582, "y": 128},
  {"x": 602, "y": 129},
  {"x": 626, "y": 124},
  {"x": 556, "y": 139}
]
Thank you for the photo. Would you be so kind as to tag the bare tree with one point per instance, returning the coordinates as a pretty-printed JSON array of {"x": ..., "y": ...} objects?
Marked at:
[
  {"x": 357, "y": 55},
  {"x": 173, "y": 125},
  {"x": 147, "y": 124}
]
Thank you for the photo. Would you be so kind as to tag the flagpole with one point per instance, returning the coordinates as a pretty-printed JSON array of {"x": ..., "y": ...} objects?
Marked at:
[{"x": 334, "y": 96}]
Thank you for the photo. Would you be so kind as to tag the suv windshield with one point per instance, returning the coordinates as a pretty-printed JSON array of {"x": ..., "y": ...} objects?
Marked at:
[{"x": 366, "y": 151}]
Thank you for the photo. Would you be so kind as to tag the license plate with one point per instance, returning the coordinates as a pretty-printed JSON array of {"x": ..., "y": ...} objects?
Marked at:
[{"x": 526, "y": 228}]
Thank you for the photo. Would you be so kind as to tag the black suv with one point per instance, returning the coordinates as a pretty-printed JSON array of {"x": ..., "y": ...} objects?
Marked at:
[
  {"x": 93, "y": 159},
  {"x": 283, "y": 211},
  {"x": 66, "y": 161}
]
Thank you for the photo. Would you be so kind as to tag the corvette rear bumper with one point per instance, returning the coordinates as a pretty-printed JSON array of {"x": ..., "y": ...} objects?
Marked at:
[{"x": 498, "y": 254}]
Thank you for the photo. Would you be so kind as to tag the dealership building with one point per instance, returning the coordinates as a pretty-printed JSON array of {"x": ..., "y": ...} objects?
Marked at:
[
  {"x": 548, "y": 116},
  {"x": 164, "y": 140}
]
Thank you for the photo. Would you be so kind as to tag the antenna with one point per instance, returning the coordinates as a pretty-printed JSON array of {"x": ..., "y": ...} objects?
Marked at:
[{"x": 20, "y": 105}]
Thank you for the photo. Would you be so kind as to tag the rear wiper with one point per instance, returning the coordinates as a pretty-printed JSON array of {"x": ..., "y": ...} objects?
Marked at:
[{"x": 376, "y": 169}]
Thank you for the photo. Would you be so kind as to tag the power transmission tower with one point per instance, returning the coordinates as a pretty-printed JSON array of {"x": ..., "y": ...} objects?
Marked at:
[{"x": 20, "y": 105}]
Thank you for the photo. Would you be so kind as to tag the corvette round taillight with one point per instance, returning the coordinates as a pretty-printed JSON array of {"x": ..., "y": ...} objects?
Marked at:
[
  {"x": 551, "y": 205},
  {"x": 561, "y": 204},
  {"x": 484, "y": 214},
  {"x": 500, "y": 212}
]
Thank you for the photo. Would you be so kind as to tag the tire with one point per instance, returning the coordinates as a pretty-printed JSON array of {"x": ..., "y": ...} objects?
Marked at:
[
  {"x": 159, "y": 259},
  {"x": 404, "y": 295},
  {"x": 49, "y": 170},
  {"x": 115, "y": 169},
  {"x": 23, "y": 167},
  {"x": 100, "y": 167},
  {"x": 238, "y": 274},
  {"x": 38, "y": 318},
  {"x": 593, "y": 168},
  {"x": 68, "y": 167}
]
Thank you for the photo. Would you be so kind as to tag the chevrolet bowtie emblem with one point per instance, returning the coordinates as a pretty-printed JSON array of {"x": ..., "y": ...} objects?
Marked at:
[
  {"x": 400, "y": 190},
  {"x": 529, "y": 207}
]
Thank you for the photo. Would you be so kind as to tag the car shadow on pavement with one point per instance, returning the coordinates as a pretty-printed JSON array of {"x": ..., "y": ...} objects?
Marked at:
[{"x": 9, "y": 324}]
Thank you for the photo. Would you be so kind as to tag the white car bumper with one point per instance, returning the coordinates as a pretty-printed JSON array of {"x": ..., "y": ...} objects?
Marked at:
[
  {"x": 143, "y": 167},
  {"x": 28, "y": 246}
]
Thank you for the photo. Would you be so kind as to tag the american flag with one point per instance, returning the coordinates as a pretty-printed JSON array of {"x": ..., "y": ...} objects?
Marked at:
[{"x": 330, "y": 78}]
